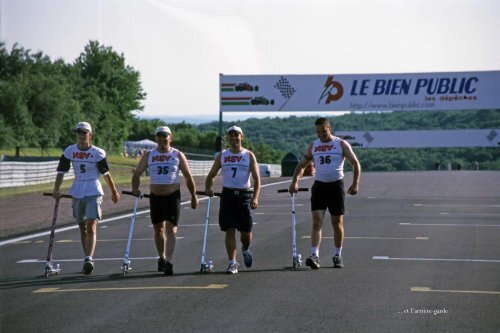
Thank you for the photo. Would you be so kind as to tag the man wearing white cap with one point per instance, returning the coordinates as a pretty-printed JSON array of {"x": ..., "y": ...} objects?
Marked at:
[
  {"x": 89, "y": 162},
  {"x": 164, "y": 163},
  {"x": 237, "y": 199}
]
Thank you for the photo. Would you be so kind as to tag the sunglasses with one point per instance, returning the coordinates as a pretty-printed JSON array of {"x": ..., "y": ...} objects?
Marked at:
[
  {"x": 79, "y": 131},
  {"x": 162, "y": 135}
]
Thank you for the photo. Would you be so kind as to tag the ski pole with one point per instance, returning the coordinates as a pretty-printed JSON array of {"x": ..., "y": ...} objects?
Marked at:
[
  {"x": 126, "y": 262},
  {"x": 296, "y": 258},
  {"x": 206, "y": 266},
  {"x": 49, "y": 266}
]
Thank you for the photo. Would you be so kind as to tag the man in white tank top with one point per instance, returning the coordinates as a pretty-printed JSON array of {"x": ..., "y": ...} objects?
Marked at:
[
  {"x": 89, "y": 162},
  {"x": 164, "y": 163},
  {"x": 237, "y": 199},
  {"x": 328, "y": 153}
]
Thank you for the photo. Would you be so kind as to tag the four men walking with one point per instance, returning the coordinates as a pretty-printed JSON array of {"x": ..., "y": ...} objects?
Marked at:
[{"x": 240, "y": 191}]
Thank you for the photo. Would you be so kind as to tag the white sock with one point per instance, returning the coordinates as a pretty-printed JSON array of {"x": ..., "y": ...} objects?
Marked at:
[
  {"x": 315, "y": 251},
  {"x": 88, "y": 257},
  {"x": 338, "y": 251}
]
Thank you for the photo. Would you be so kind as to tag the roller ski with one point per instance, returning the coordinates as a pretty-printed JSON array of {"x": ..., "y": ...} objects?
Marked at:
[
  {"x": 50, "y": 266},
  {"x": 206, "y": 266},
  {"x": 126, "y": 262},
  {"x": 296, "y": 257}
]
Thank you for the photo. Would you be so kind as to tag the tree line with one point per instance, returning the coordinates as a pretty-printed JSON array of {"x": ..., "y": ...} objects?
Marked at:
[{"x": 41, "y": 100}]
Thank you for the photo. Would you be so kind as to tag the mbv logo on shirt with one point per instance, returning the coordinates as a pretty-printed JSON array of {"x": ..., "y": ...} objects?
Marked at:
[
  {"x": 78, "y": 155},
  {"x": 324, "y": 148},
  {"x": 161, "y": 158},
  {"x": 232, "y": 159}
]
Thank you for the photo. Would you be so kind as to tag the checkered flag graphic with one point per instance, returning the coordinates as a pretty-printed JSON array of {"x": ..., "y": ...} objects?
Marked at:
[
  {"x": 285, "y": 88},
  {"x": 368, "y": 137},
  {"x": 492, "y": 135}
]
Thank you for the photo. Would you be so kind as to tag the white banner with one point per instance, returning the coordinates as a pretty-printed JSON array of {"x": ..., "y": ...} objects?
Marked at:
[
  {"x": 369, "y": 92},
  {"x": 463, "y": 138}
]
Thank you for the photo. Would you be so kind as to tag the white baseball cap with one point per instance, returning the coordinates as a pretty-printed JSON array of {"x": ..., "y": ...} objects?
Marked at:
[
  {"x": 235, "y": 128},
  {"x": 163, "y": 129},
  {"x": 84, "y": 126}
]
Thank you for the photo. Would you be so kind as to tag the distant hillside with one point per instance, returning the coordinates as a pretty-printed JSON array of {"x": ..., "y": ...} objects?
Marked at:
[{"x": 293, "y": 134}]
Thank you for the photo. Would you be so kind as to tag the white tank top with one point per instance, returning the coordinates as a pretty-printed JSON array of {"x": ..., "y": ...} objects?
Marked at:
[
  {"x": 235, "y": 169},
  {"x": 164, "y": 167},
  {"x": 86, "y": 182},
  {"x": 328, "y": 160}
]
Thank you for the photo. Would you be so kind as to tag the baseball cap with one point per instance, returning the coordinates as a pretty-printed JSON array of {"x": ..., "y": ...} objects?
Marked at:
[
  {"x": 235, "y": 128},
  {"x": 163, "y": 129},
  {"x": 84, "y": 126}
]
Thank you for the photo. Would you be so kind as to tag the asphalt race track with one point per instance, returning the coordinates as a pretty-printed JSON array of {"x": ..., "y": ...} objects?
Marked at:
[{"x": 421, "y": 254}]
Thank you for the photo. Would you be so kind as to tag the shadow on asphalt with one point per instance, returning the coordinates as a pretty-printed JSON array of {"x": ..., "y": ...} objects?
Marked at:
[{"x": 77, "y": 278}]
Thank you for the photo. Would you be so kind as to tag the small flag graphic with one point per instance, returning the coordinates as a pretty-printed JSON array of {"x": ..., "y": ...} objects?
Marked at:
[
  {"x": 368, "y": 137},
  {"x": 492, "y": 135},
  {"x": 286, "y": 90}
]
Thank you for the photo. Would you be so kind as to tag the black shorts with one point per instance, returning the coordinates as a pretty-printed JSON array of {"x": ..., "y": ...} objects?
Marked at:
[
  {"x": 328, "y": 195},
  {"x": 165, "y": 208},
  {"x": 235, "y": 210}
]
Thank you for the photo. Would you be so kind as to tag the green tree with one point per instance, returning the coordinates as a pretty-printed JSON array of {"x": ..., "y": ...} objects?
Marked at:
[{"x": 110, "y": 91}]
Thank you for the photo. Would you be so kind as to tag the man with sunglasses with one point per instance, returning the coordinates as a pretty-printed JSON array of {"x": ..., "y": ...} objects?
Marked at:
[
  {"x": 164, "y": 163},
  {"x": 89, "y": 162}
]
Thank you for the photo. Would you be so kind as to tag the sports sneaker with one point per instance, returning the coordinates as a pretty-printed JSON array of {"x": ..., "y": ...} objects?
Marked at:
[
  {"x": 313, "y": 262},
  {"x": 232, "y": 268},
  {"x": 161, "y": 265},
  {"x": 88, "y": 266},
  {"x": 169, "y": 268},
  {"x": 247, "y": 257},
  {"x": 337, "y": 261}
]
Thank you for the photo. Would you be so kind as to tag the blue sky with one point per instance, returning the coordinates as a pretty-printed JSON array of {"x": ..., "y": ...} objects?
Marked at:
[{"x": 181, "y": 46}]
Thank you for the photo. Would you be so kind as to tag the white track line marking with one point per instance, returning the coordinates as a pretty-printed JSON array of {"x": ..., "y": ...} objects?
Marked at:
[
  {"x": 35, "y": 261},
  {"x": 427, "y": 289},
  {"x": 449, "y": 224},
  {"x": 430, "y": 205},
  {"x": 111, "y": 240},
  {"x": 435, "y": 259},
  {"x": 382, "y": 238},
  {"x": 296, "y": 205},
  {"x": 468, "y": 214}
]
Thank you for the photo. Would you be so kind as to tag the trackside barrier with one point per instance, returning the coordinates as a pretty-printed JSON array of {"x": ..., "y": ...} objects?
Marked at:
[
  {"x": 13, "y": 174},
  {"x": 201, "y": 168}
]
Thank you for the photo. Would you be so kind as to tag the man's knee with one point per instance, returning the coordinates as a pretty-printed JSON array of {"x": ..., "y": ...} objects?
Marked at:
[{"x": 171, "y": 228}]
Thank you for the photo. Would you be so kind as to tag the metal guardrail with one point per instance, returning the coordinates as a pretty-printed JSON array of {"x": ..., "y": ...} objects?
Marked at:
[
  {"x": 201, "y": 168},
  {"x": 13, "y": 174}
]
